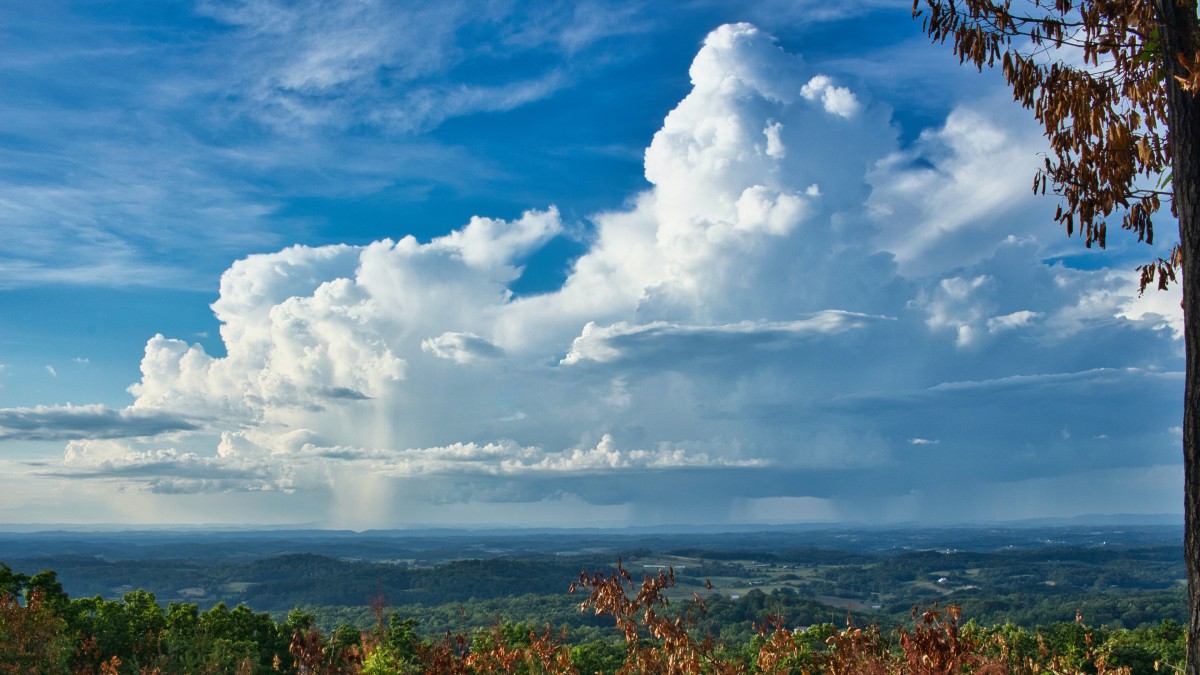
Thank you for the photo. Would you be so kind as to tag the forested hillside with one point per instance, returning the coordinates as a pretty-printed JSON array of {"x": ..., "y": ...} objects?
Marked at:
[
  {"x": 1100, "y": 597},
  {"x": 43, "y": 630}
]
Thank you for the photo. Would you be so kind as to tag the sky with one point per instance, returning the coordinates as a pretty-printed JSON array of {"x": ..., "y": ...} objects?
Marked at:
[{"x": 556, "y": 264}]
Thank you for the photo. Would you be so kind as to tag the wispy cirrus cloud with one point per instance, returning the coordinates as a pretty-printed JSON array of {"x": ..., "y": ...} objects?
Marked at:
[
  {"x": 405, "y": 67},
  {"x": 178, "y": 151}
]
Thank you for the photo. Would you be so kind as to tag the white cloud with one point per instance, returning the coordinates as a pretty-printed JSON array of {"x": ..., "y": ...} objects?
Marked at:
[
  {"x": 836, "y": 100},
  {"x": 304, "y": 465},
  {"x": 604, "y": 456},
  {"x": 775, "y": 146},
  {"x": 954, "y": 304},
  {"x": 1011, "y": 321},
  {"x": 1161, "y": 309},
  {"x": 961, "y": 191},
  {"x": 460, "y": 347},
  {"x": 1106, "y": 297},
  {"x": 489, "y": 243},
  {"x": 164, "y": 470}
]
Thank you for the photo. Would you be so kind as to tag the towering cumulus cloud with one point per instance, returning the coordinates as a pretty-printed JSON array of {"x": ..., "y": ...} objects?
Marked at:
[{"x": 786, "y": 315}]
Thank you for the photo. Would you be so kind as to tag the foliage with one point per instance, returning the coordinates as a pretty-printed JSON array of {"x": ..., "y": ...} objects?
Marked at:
[
  {"x": 33, "y": 636},
  {"x": 1103, "y": 109},
  {"x": 660, "y": 642},
  {"x": 52, "y": 633}
]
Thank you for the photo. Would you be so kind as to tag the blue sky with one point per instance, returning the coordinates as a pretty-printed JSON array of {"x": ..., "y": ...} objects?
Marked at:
[{"x": 468, "y": 263}]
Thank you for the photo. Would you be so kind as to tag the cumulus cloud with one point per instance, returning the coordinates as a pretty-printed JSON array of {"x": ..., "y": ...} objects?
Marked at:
[
  {"x": 792, "y": 299},
  {"x": 238, "y": 466},
  {"x": 1160, "y": 309},
  {"x": 836, "y": 100},
  {"x": 461, "y": 347},
  {"x": 1011, "y": 321},
  {"x": 162, "y": 470},
  {"x": 487, "y": 242},
  {"x": 953, "y": 305},
  {"x": 506, "y": 458}
]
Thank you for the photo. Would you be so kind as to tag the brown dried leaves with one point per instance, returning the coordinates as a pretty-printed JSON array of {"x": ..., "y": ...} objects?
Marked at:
[{"x": 1106, "y": 121}]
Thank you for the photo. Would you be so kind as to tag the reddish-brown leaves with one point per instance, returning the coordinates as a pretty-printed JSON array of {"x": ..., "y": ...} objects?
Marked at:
[{"x": 1106, "y": 120}]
